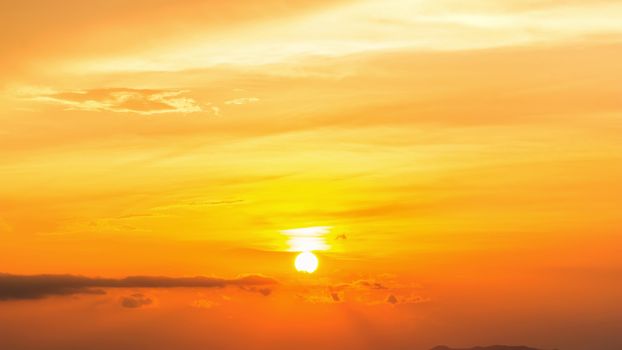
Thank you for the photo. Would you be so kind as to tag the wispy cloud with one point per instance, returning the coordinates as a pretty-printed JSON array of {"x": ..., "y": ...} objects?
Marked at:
[
  {"x": 242, "y": 101},
  {"x": 141, "y": 101}
]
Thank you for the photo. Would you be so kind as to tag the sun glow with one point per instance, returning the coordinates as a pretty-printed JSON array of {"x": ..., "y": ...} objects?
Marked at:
[
  {"x": 306, "y": 262},
  {"x": 307, "y": 239}
]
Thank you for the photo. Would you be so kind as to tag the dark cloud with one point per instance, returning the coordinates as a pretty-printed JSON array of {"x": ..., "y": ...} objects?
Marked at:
[
  {"x": 135, "y": 301},
  {"x": 335, "y": 297},
  {"x": 359, "y": 284},
  {"x": 40, "y": 286},
  {"x": 392, "y": 299},
  {"x": 265, "y": 291},
  {"x": 370, "y": 284},
  {"x": 406, "y": 300}
]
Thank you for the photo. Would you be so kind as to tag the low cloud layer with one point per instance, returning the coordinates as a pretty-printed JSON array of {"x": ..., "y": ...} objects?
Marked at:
[{"x": 16, "y": 287}]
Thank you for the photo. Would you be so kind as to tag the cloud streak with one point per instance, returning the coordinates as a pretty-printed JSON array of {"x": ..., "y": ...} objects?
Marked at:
[
  {"x": 16, "y": 287},
  {"x": 242, "y": 101},
  {"x": 124, "y": 100}
]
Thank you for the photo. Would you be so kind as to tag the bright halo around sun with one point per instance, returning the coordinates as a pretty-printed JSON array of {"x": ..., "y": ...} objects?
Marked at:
[{"x": 306, "y": 262}]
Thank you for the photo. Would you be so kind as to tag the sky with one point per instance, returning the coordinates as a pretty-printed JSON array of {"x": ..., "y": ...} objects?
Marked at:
[{"x": 456, "y": 167}]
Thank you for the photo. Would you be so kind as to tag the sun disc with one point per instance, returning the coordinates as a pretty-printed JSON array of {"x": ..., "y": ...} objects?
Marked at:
[{"x": 306, "y": 262}]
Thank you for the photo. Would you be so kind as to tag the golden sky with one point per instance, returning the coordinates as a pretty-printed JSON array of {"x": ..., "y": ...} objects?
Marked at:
[{"x": 455, "y": 165}]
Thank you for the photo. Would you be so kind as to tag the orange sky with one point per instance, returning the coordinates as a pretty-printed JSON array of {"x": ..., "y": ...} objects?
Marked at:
[{"x": 460, "y": 161}]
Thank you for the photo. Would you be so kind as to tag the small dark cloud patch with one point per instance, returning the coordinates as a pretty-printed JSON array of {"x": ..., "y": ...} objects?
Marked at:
[
  {"x": 371, "y": 284},
  {"x": 406, "y": 300},
  {"x": 335, "y": 297},
  {"x": 135, "y": 301},
  {"x": 359, "y": 284},
  {"x": 16, "y": 287},
  {"x": 265, "y": 291}
]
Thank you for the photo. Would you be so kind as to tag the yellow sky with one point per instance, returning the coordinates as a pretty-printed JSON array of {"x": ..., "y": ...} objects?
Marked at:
[{"x": 447, "y": 144}]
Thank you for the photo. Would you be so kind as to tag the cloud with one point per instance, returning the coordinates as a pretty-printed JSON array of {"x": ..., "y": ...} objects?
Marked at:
[
  {"x": 214, "y": 109},
  {"x": 360, "y": 284},
  {"x": 265, "y": 291},
  {"x": 135, "y": 301},
  {"x": 392, "y": 299},
  {"x": 125, "y": 100},
  {"x": 198, "y": 205},
  {"x": 371, "y": 284},
  {"x": 242, "y": 101},
  {"x": 36, "y": 31},
  {"x": 514, "y": 6},
  {"x": 373, "y": 292},
  {"x": 15, "y": 287}
]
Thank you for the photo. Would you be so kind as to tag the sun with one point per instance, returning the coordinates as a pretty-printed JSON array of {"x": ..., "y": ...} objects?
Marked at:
[{"x": 306, "y": 262}]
